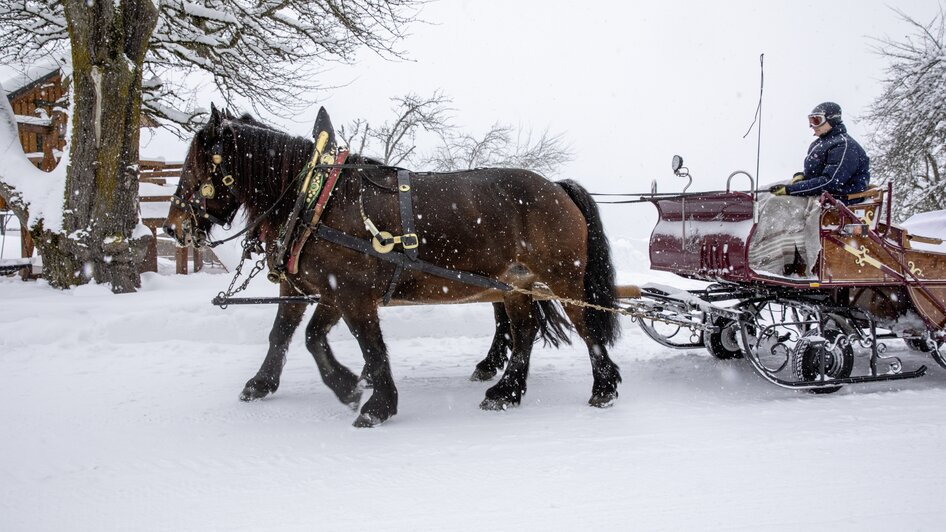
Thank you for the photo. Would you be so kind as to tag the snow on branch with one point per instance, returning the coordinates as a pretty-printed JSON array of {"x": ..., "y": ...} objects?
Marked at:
[
  {"x": 908, "y": 144},
  {"x": 266, "y": 52},
  {"x": 30, "y": 29},
  {"x": 270, "y": 52}
]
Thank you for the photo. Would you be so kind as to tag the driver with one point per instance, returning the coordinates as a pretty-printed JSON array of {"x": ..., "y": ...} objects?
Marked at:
[{"x": 836, "y": 163}]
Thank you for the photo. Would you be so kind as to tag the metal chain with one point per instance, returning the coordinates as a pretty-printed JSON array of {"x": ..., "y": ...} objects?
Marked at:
[
  {"x": 633, "y": 314},
  {"x": 248, "y": 245}
]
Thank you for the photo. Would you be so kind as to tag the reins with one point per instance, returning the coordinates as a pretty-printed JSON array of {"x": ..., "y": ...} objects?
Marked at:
[{"x": 645, "y": 197}]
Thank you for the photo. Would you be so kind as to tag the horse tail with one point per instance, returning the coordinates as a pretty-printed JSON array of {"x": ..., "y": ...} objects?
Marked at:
[
  {"x": 599, "y": 271},
  {"x": 553, "y": 324}
]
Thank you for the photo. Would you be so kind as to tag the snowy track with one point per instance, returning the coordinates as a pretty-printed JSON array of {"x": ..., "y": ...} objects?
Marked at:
[{"x": 121, "y": 412}]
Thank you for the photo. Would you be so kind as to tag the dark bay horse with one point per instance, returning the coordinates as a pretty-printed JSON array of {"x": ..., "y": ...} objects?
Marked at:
[
  {"x": 289, "y": 159},
  {"x": 510, "y": 225}
]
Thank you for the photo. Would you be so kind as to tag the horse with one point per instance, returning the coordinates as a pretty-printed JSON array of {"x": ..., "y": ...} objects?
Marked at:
[
  {"x": 554, "y": 328},
  {"x": 509, "y": 225}
]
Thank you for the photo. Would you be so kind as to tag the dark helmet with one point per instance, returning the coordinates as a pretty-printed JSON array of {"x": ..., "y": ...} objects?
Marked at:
[{"x": 830, "y": 110}]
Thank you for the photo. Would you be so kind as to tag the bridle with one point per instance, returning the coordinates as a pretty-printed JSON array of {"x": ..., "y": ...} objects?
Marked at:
[{"x": 194, "y": 204}]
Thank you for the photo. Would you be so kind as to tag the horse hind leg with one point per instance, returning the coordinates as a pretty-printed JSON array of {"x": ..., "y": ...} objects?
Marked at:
[
  {"x": 553, "y": 329},
  {"x": 496, "y": 358},
  {"x": 524, "y": 326},
  {"x": 266, "y": 380},
  {"x": 336, "y": 376},
  {"x": 607, "y": 375}
]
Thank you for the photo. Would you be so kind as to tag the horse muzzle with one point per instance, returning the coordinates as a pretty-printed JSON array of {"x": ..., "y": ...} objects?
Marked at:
[{"x": 187, "y": 236}]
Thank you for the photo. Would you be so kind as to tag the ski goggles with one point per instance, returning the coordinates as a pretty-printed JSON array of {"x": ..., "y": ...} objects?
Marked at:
[{"x": 817, "y": 120}]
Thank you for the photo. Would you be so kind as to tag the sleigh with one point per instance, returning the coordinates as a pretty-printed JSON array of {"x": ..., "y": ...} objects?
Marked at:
[{"x": 798, "y": 323}]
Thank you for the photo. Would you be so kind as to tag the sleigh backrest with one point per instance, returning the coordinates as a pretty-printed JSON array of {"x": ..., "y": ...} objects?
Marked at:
[{"x": 703, "y": 235}]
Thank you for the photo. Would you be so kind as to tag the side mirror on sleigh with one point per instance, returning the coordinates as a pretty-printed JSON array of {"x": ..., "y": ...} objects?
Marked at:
[
  {"x": 677, "y": 165},
  {"x": 681, "y": 171}
]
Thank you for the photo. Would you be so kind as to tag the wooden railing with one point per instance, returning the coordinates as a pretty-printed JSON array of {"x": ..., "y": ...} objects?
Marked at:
[{"x": 157, "y": 183}]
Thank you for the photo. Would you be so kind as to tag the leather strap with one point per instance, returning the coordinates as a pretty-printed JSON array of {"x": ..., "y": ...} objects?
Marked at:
[
  {"x": 396, "y": 257},
  {"x": 292, "y": 264},
  {"x": 395, "y": 279},
  {"x": 409, "y": 240}
]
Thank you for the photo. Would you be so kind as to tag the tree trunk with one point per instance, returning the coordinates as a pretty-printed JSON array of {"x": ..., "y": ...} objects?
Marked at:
[{"x": 109, "y": 40}]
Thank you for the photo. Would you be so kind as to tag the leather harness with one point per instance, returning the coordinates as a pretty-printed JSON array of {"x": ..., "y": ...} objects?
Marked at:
[{"x": 382, "y": 243}]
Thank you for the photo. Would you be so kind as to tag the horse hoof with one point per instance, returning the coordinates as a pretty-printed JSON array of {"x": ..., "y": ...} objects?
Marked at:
[
  {"x": 603, "y": 400},
  {"x": 480, "y": 375},
  {"x": 367, "y": 421},
  {"x": 353, "y": 399},
  {"x": 495, "y": 404},
  {"x": 253, "y": 393}
]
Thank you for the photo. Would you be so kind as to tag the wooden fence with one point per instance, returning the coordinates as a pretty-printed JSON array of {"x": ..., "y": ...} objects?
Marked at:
[{"x": 157, "y": 183}]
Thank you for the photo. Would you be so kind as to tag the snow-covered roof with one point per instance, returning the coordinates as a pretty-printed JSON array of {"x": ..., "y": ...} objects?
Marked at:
[{"x": 32, "y": 74}]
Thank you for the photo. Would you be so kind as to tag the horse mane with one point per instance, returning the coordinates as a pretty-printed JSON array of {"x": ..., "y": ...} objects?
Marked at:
[{"x": 267, "y": 160}]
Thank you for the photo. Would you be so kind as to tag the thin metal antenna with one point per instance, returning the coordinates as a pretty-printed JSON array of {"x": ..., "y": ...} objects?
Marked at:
[{"x": 758, "y": 147}]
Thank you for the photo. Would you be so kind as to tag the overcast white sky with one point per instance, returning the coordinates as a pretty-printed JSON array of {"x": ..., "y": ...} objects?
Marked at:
[{"x": 632, "y": 83}]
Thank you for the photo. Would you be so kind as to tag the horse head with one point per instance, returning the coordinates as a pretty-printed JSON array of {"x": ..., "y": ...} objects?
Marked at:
[{"x": 207, "y": 193}]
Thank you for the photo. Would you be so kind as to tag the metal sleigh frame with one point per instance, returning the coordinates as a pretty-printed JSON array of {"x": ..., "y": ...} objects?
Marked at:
[{"x": 817, "y": 341}]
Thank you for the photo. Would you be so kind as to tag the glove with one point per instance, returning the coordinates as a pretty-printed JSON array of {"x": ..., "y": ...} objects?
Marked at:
[
  {"x": 778, "y": 190},
  {"x": 797, "y": 177}
]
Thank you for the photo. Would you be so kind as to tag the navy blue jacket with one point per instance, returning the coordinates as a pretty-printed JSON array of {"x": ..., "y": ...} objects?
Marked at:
[{"x": 836, "y": 163}]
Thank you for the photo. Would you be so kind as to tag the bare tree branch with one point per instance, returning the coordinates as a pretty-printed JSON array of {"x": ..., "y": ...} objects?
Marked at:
[
  {"x": 498, "y": 148},
  {"x": 909, "y": 117},
  {"x": 414, "y": 113},
  {"x": 265, "y": 52}
]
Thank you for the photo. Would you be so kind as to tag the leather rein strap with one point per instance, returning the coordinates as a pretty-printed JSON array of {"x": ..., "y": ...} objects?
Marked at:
[{"x": 403, "y": 261}]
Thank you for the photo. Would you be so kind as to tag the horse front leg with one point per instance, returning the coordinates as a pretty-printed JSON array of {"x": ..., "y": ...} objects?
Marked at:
[
  {"x": 336, "y": 376},
  {"x": 266, "y": 380},
  {"x": 496, "y": 357},
  {"x": 524, "y": 326},
  {"x": 365, "y": 326}
]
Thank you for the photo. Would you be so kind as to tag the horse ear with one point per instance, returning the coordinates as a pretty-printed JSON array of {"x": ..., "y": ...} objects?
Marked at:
[
  {"x": 323, "y": 132},
  {"x": 227, "y": 114},
  {"x": 214, "y": 116}
]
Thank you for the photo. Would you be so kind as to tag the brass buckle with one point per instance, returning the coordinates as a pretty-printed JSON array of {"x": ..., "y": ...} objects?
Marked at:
[
  {"x": 376, "y": 242},
  {"x": 228, "y": 180},
  {"x": 409, "y": 241}
]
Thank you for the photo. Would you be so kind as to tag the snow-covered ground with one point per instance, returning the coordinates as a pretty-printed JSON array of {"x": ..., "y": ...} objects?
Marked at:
[{"x": 121, "y": 413}]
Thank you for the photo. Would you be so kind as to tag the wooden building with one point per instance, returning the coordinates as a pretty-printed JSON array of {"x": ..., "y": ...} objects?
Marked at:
[{"x": 37, "y": 100}]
